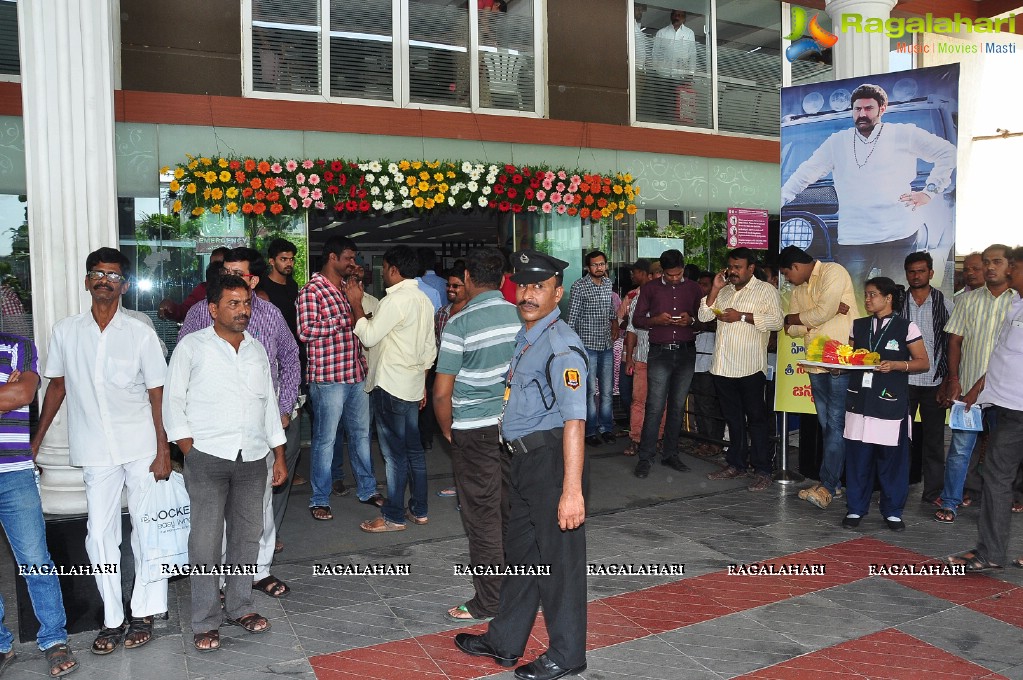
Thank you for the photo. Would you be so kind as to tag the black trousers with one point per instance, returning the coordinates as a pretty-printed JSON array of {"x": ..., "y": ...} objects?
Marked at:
[
  {"x": 744, "y": 409},
  {"x": 534, "y": 538},
  {"x": 931, "y": 431},
  {"x": 482, "y": 473}
]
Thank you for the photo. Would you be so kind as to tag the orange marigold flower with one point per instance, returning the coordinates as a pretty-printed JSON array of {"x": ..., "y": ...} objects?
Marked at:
[
  {"x": 250, "y": 165},
  {"x": 263, "y": 167},
  {"x": 259, "y": 208},
  {"x": 232, "y": 207},
  {"x": 588, "y": 200},
  {"x": 222, "y": 162},
  {"x": 210, "y": 177},
  {"x": 239, "y": 177},
  {"x": 631, "y": 209},
  {"x": 602, "y": 203},
  {"x": 276, "y": 208},
  {"x": 247, "y": 192},
  {"x": 197, "y": 211},
  {"x": 584, "y": 213},
  {"x": 584, "y": 187},
  {"x": 256, "y": 183},
  {"x": 573, "y": 211},
  {"x": 247, "y": 208},
  {"x": 215, "y": 208},
  {"x": 191, "y": 188}
]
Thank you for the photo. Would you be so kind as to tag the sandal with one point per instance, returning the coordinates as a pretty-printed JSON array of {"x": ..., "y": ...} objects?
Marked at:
[
  {"x": 944, "y": 516},
  {"x": 321, "y": 513},
  {"x": 415, "y": 519},
  {"x": 278, "y": 547},
  {"x": 138, "y": 626},
  {"x": 449, "y": 492},
  {"x": 251, "y": 623},
  {"x": 632, "y": 449},
  {"x": 462, "y": 613},
  {"x": 967, "y": 501},
  {"x": 1017, "y": 507},
  {"x": 107, "y": 640},
  {"x": 1018, "y": 563},
  {"x": 272, "y": 586},
  {"x": 7, "y": 660},
  {"x": 972, "y": 562},
  {"x": 57, "y": 656},
  {"x": 376, "y": 500},
  {"x": 210, "y": 637}
]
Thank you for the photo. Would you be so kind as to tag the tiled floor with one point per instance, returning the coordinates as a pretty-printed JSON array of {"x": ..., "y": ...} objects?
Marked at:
[{"x": 706, "y": 624}]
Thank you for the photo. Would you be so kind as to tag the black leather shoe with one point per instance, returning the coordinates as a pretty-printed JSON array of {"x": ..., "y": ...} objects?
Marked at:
[
  {"x": 675, "y": 464},
  {"x": 895, "y": 525},
  {"x": 545, "y": 669},
  {"x": 594, "y": 440},
  {"x": 851, "y": 522},
  {"x": 477, "y": 646},
  {"x": 642, "y": 469},
  {"x": 608, "y": 437}
]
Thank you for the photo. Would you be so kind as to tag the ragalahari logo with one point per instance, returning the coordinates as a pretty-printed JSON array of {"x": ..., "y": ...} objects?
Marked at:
[{"x": 807, "y": 46}]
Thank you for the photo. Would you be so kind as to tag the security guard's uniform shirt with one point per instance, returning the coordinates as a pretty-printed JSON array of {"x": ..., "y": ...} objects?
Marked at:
[{"x": 549, "y": 348}]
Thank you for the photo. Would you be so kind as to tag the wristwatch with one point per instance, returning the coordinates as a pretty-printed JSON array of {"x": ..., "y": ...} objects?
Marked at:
[
  {"x": 931, "y": 189},
  {"x": 743, "y": 317}
]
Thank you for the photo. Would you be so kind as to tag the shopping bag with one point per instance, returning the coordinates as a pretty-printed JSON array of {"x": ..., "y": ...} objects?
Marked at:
[{"x": 163, "y": 526}]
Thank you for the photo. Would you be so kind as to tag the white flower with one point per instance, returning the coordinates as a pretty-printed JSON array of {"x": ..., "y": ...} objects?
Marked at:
[
  {"x": 406, "y": 203},
  {"x": 475, "y": 175},
  {"x": 375, "y": 166},
  {"x": 377, "y": 205},
  {"x": 389, "y": 206},
  {"x": 399, "y": 177},
  {"x": 466, "y": 166},
  {"x": 363, "y": 166},
  {"x": 384, "y": 179},
  {"x": 403, "y": 190},
  {"x": 451, "y": 200},
  {"x": 492, "y": 170},
  {"x": 370, "y": 177},
  {"x": 472, "y": 186},
  {"x": 485, "y": 190},
  {"x": 466, "y": 205},
  {"x": 389, "y": 195},
  {"x": 375, "y": 190},
  {"x": 392, "y": 168},
  {"x": 482, "y": 200}
]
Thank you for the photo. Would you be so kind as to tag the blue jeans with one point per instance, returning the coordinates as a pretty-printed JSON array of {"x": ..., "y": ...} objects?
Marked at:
[
  {"x": 829, "y": 392},
  {"x": 669, "y": 374},
  {"x": 21, "y": 514},
  {"x": 599, "y": 417},
  {"x": 957, "y": 463},
  {"x": 398, "y": 434},
  {"x": 334, "y": 405}
]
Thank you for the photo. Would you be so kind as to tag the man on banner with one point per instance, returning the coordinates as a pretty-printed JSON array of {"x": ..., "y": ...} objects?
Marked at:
[
  {"x": 819, "y": 306},
  {"x": 873, "y": 165}
]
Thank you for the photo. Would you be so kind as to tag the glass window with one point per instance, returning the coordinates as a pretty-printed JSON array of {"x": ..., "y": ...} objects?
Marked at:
[
  {"x": 438, "y": 53},
  {"x": 286, "y": 46},
  {"x": 15, "y": 276},
  {"x": 9, "y": 64},
  {"x": 672, "y": 62},
  {"x": 507, "y": 60},
  {"x": 749, "y": 66},
  {"x": 361, "y": 49}
]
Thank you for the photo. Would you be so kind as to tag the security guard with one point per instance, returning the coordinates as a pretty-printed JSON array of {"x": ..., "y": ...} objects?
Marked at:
[{"x": 543, "y": 427}]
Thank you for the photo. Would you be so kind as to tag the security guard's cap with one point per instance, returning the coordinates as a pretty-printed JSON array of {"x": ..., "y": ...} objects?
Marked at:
[{"x": 532, "y": 266}]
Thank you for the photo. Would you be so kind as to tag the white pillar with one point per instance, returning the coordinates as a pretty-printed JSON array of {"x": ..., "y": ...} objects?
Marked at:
[
  {"x": 859, "y": 54},
  {"x": 68, "y": 103}
]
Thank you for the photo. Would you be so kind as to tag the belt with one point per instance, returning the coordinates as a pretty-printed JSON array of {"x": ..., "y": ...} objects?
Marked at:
[
  {"x": 531, "y": 442},
  {"x": 674, "y": 345}
]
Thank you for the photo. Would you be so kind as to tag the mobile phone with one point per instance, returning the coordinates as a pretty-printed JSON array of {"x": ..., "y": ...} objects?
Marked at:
[{"x": 676, "y": 317}]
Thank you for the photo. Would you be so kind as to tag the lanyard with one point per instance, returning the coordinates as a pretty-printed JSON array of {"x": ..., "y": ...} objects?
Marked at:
[
  {"x": 511, "y": 374},
  {"x": 870, "y": 333}
]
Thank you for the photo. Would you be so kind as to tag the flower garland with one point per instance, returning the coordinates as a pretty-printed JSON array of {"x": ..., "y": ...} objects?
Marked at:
[{"x": 255, "y": 187}]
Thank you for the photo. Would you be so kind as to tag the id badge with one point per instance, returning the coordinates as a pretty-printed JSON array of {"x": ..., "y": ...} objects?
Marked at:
[{"x": 868, "y": 379}]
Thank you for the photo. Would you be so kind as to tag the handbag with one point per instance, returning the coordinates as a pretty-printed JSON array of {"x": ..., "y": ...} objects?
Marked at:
[{"x": 163, "y": 526}]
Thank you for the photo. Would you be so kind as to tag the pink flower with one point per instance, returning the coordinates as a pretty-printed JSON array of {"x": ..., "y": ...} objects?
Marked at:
[
  {"x": 319, "y": 205},
  {"x": 317, "y": 194},
  {"x": 300, "y": 178},
  {"x": 555, "y": 197},
  {"x": 276, "y": 167},
  {"x": 306, "y": 202},
  {"x": 303, "y": 192},
  {"x": 549, "y": 176},
  {"x": 541, "y": 194},
  {"x": 288, "y": 191},
  {"x": 547, "y": 207},
  {"x": 562, "y": 174},
  {"x": 314, "y": 179},
  {"x": 290, "y": 165},
  {"x": 576, "y": 179},
  {"x": 532, "y": 208},
  {"x": 560, "y": 186},
  {"x": 548, "y": 184},
  {"x": 293, "y": 203},
  {"x": 307, "y": 164},
  {"x": 562, "y": 209},
  {"x": 568, "y": 198}
]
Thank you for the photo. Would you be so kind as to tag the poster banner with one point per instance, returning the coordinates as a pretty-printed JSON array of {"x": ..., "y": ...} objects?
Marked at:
[
  {"x": 747, "y": 227},
  {"x": 866, "y": 182}
]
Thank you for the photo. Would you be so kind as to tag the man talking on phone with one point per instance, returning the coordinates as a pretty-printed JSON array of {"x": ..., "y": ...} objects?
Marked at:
[{"x": 667, "y": 307}]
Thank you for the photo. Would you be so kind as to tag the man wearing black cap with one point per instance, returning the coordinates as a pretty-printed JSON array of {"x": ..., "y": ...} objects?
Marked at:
[{"x": 543, "y": 426}]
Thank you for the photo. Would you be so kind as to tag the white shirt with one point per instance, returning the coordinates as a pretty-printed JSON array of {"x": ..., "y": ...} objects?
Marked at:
[
  {"x": 642, "y": 48},
  {"x": 107, "y": 376},
  {"x": 740, "y": 348},
  {"x": 402, "y": 326},
  {"x": 870, "y": 181},
  {"x": 674, "y": 52},
  {"x": 222, "y": 399}
]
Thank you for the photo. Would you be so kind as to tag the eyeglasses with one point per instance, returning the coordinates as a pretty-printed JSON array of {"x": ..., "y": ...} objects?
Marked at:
[
  {"x": 237, "y": 272},
  {"x": 456, "y": 285},
  {"x": 112, "y": 277},
  {"x": 598, "y": 264}
]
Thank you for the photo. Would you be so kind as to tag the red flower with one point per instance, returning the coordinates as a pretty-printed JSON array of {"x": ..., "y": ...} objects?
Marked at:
[
  {"x": 246, "y": 208},
  {"x": 516, "y": 179},
  {"x": 260, "y": 195},
  {"x": 607, "y": 189},
  {"x": 529, "y": 194},
  {"x": 584, "y": 213},
  {"x": 526, "y": 171},
  {"x": 328, "y": 176},
  {"x": 250, "y": 165},
  {"x": 351, "y": 192},
  {"x": 263, "y": 167},
  {"x": 512, "y": 193},
  {"x": 492, "y": 204},
  {"x": 535, "y": 183},
  {"x": 256, "y": 183},
  {"x": 333, "y": 190},
  {"x": 337, "y": 166},
  {"x": 502, "y": 179},
  {"x": 504, "y": 206},
  {"x": 276, "y": 208},
  {"x": 342, "y": 179},
  {"x": 588, "y": 200},
  {"x": 239, "y": 177},
  {"x": 364, "y": 206},
  {"x": 602, "y": 203},
  {"x": 340, "y": 206},
  {"x": 273, "y": 196},
  {"x": 572, "y": 211},
  {"x": 247, "y": 192},
  {"x": 516, "y": 208},
  {"x": 352, "y": 206},
  {"x": 321, "y": 162},
  {"x": 498, "y": 189},
  {"x": 509, "y": 168},
  {"x": 234, "y": 165},
  {"x": 259, "y": 208},
  {"x": 361, "y": 193}
]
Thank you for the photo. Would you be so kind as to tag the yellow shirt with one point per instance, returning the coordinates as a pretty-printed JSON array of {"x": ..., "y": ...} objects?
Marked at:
[
  {"x": 401, "y": 341},
  {"x": 740, "y": 348},
  {"x": 816, "y": 302}
]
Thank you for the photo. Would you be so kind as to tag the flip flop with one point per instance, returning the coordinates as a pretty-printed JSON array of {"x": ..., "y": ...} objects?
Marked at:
[
  {"x": 448, "y": 492},
  {"x": 462, "y": 614},
  {"x": 972, "y": 562},
  {"x": 944, "y": 516},
  {"x": 325, "y": 515}
]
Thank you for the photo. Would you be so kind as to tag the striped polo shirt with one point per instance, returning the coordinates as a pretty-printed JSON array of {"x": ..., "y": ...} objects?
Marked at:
[
  {"x": 476, "y": 347},
  {"x": 977, "y": 317},
  {"x": 16, "y": 353}
]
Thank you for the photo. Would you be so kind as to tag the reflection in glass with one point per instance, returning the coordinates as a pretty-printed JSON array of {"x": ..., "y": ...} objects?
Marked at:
[
  {"x": 361, "y": 49},
  {"x": 438, "y": 69},
  {"x": 749, "y": 66},
  {"x": 672, "y": 64},
  {"x": 507, "y": 71},
  {"x": 286, "y": 46},
  {"x": 15, "y": 276}
]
